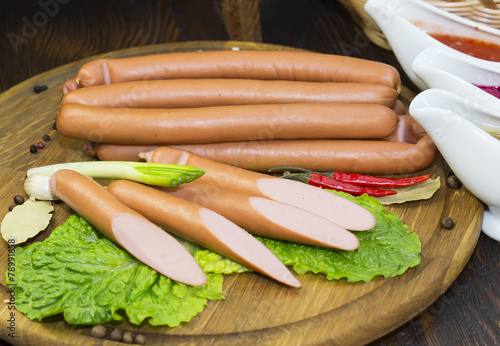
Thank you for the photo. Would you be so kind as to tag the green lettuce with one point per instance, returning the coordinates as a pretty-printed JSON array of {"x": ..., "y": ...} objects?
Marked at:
[
  {"x": 387, "y": 250},
  {"x": 80, "y": 273},
  {"x": 83, "y": 275}
]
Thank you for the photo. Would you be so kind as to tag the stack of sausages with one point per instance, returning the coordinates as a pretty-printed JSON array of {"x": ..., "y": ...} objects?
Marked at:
[{"x": 252, "y": 109}]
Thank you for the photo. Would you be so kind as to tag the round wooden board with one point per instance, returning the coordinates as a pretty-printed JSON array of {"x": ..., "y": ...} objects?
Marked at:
[{"x": 255, "y": 310}]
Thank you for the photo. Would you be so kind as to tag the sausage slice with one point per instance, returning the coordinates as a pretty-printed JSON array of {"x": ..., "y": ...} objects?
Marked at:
[
  {"x": 144, "y": 240},
  {"x": 202, "y": 226}
]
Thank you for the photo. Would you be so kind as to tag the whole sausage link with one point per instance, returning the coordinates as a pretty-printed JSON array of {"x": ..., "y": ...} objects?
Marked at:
[
  {"x": 267, "y": 65},
  {"x": 187, "y": 93},
  {"x": 226, "y": 123},
  {"x": 361, "y": 156}
]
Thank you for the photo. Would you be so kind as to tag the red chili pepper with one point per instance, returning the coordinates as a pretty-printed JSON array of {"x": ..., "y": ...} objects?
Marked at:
[
  {"x": 355, "y": 190},
  {"x": 371, "y": 181}
]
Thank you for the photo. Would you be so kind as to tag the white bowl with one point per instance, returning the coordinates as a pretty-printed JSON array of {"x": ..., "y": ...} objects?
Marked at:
[
  {"x": 405, "y": 24},
  {"x": 472, "y": 153}
]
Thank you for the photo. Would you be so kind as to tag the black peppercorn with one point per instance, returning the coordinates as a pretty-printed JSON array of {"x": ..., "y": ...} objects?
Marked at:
[
  {"x": 18, "y": 199},
  {"x": 54, "y": 125},
  {"x": 11, "y": 207},
  {"x": 33, "y": 149},
  {"x": 39, "y": 88},
  {"x": 46, "y": 138},
  {"x": 453, "y": 182},
  {"x": 447, "y": 223}
]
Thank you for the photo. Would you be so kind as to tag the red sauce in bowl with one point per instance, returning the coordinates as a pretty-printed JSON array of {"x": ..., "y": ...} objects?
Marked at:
[{"x": 474, "y": 47}]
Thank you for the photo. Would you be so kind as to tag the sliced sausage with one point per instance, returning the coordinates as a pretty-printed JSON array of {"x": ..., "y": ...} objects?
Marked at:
[
  {"x": 267, "y": 217},
  {"x": 202, "y": 226},
  {"x": 361, "y": 156},
  {"x": 144, "y": 240},
  {"x": 226, "y": 123},
  {"x": 332, "y": 207},
  {"x": 183, "y": 93},
  {"x": 270, "y": 65}
]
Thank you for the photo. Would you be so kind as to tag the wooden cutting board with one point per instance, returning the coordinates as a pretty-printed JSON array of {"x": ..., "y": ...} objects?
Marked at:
[{"x": 255, "y": 310}]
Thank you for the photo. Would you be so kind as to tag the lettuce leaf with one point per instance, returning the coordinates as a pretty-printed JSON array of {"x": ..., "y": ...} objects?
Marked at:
[
  {"x": 80, "y": 273},
  {"x": 387, "y": 250},
  {"x": 90, "y": 280}
]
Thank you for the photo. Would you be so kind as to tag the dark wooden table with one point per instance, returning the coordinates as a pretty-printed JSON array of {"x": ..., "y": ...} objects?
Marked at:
[{"x": 38, "y": 36}]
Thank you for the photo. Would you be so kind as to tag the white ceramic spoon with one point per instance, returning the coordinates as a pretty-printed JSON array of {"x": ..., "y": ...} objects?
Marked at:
[
  {"x": 458, "y": 73},
  {"x": 472, "y": 154},
  {"x": 397, "y": 19}
]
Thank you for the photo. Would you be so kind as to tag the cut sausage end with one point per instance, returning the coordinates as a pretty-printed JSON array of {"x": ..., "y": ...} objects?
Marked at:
[
  {"x": 141, "y": 238},
  {"x": 332, "y": 207},
  {"x": 308, "y": 228},
  {"x": 157, "y": 249},
  {"x": 250, "y": 251},
  {"x": 202, "y": 226}
]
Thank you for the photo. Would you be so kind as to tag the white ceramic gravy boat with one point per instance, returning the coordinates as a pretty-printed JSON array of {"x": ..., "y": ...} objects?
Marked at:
[
  {"x": 405, "y": 24},
  {"x": 458, "y": 73},
  {"x": 485, "y": 118},
  {"x": 472, "y": 154}
]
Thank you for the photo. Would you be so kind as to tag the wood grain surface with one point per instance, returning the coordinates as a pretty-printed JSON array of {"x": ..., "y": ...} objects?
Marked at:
[
  {"x": 255, "y": 310},
  {"x": 242, "y": 20},
  {"x": 467, "y": 313}
]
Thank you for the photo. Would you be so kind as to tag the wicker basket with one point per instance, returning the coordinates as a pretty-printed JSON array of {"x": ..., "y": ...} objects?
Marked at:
[{"x": 482, "y": 11}]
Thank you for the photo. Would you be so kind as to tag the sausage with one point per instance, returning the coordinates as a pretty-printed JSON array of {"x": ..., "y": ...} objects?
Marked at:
[
  {"x": 70, "y": 85},
  {"x": 332, "y": 207},
  {"x": 202, "y": 226},
  {"x": 188, "y": 93},
  {"x": 361, "y": 156},
  {"x": 144, "y": 240},
  {"x": 408, "y": 131},
  {"x": 225, "y": 123},
  {"x": 412, "y": 153},
  {"x": 118, "y": 152},
  {"x": 267, "y": 217},
  {"x": 269, "y": 65},
  {"x": 399, "y": 108}
]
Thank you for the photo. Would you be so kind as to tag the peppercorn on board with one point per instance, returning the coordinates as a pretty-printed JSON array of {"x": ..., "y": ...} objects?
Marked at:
[{"x": 255, "y": 309}]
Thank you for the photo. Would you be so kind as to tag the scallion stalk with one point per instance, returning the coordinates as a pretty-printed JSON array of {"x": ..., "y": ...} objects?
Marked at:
[{"x": 159, "y": 174}]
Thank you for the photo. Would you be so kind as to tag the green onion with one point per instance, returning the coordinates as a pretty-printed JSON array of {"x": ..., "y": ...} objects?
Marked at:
[{"x": 159, "y": 174}]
